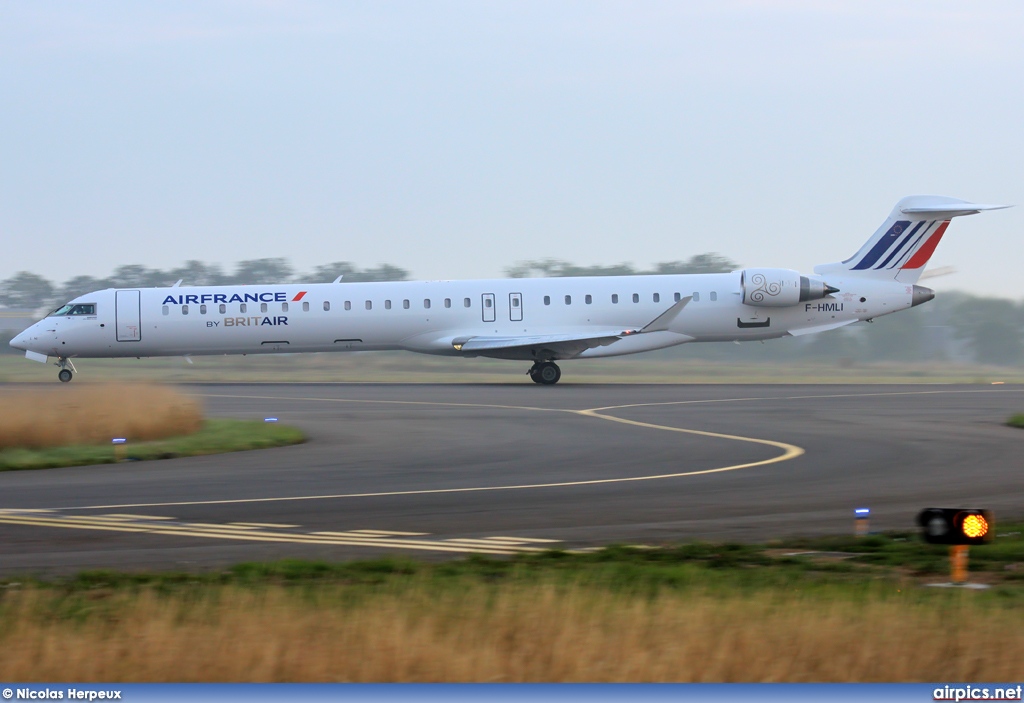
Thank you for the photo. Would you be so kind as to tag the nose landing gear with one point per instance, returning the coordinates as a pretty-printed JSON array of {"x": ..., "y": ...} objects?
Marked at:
[
  {"x": 65, "y": 373},
  {"x": 545, "y": 373}
]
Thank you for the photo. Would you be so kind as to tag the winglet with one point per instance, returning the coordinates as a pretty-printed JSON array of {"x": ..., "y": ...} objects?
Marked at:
[{"x": 662, "y": 322}]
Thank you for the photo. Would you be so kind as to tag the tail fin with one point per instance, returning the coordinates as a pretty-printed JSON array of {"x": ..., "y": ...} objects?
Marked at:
[{"x": 905, "y": 242}]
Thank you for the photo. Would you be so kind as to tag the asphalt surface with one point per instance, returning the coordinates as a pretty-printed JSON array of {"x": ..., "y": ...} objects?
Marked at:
[{"x": 440, "y": 470}]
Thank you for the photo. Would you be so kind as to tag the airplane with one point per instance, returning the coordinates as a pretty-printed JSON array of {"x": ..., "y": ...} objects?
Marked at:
[{"x": 537, "y": 320}]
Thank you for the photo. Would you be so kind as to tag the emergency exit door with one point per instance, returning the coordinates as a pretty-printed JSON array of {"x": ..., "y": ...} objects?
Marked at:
[
  {"x": 487, "y": 303},
  {"x": 515, "y": 307},
  {"x": 126, "y": 309}
]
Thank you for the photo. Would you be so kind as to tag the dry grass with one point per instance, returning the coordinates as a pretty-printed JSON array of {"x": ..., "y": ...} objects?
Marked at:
[
  {"x": 536, "y": 633},
  {"x": 94, "y": 414}
]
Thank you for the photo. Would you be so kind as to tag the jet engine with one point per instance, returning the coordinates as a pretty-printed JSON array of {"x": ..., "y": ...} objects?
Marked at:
[{"x": 779, "y": 288}]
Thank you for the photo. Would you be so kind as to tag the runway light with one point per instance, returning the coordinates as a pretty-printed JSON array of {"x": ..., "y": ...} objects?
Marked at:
[
  {"x": 860, "y": 523},
  {"x": 118, "y": 440},
  {"x": 956, "y": 526},
  {"x": 974, "y": 526},
  {"x": 270, "y": 419}
]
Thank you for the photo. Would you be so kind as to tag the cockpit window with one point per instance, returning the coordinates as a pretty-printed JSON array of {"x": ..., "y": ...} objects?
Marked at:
[{"x": 75, "y": 309}]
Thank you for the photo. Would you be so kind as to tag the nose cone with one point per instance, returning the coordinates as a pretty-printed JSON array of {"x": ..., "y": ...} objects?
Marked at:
[{"x": 21, "y": 341}]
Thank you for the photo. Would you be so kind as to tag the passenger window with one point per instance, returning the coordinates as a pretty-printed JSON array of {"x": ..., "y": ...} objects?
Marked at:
[
  {"x": 657, "y": 297},
  {"x": 678, "y": 297},
  {"x": 387, "y": 304},
  {"x": 568, "y": 300},
  {"x": 327, "y": 305},
  {"x": 305, "y": 307},
  {"x": 696, "y": 297},
  {"x": 636, "y": 297},
  {"x": 202, "y": 309},
  {"x": 242, "y": 308},
  {"x": 284, "y": 307},
  {"x": 515, "y": 302},
  {"x": 466, "y": 302},
  {"x": 547, "y": 300},
  {"x": 447, "y": 302},
  {"x": 166, "y": 310},
  {"x": 488, "y": 302},
  {"x": 348, "y": 305},
  {"x": 588, "y": 299},
  {"x": 405, "y": 304},
  {"x": 615, "y": 298},
  {"x": 426, "y": 303},
  {"x": 369, "y": 305},
  {"x": 223, "y": 308},
  {"x": 714, "y": 296},
  {"x": 263, "y": 307},
  {"x": 184, "y": 309}
]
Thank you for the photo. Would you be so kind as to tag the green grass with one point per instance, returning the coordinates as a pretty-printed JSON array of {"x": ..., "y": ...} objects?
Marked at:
[
  {"x": 216, "y": 437},
  {"x": 844, "y": 566},
  {"x": 1016, "y": 421}
]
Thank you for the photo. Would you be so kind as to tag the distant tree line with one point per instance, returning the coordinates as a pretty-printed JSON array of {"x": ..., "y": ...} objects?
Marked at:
[
  {"x": 30, "y": 291},
  {"x": 701, "y": 263}
]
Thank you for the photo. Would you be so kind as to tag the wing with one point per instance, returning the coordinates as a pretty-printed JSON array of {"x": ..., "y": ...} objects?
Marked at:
[
  {"x": 543, "y": 346},
  {"x": 560, "y": 346}
]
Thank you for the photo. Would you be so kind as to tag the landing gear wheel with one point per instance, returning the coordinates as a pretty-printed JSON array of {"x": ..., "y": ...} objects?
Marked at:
[
  {"x": 64, "y": 375},
  {"x": 546, "y": 374}
]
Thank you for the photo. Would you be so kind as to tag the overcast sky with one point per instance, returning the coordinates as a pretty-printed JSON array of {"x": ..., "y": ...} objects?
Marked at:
[{"x": 457, "y": 138}]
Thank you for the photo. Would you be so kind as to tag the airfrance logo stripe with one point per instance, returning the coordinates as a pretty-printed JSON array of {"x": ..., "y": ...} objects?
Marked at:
[
  {"x": 901, "y": 259},
  {"x": 298, "y": 296},
  {"x": 927, "y": 249},
  {"x": 898, "y": 249},
  {"x": 882, "y": 245}
]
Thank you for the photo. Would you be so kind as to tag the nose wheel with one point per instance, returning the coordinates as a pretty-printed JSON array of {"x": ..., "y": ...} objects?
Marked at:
[
  {"x": 546, "y": 373},
  {"x": 64, "y": 374}
]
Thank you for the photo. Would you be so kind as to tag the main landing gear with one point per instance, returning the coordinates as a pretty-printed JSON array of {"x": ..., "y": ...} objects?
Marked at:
[
  {"x": 65, "y": 373},
  {"x": 545, "y": 373}
]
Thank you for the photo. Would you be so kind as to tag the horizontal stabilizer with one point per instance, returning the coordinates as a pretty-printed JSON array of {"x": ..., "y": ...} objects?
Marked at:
[{"x": 945, "y": 210}]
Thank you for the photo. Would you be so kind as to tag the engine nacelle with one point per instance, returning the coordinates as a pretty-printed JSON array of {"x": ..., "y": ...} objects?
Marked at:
[{"x": 780, "y": 288}]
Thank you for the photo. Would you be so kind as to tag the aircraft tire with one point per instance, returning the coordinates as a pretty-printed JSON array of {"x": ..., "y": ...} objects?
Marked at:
[
  {"x": 548, "y": 373},
  {"x": 64, "y": 375}
]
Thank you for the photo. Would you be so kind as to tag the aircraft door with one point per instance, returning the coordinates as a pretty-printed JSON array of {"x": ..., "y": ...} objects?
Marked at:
[
  {"x": 487, "y": 305},
  {"x": 126, "y": 310},
  {"x": 515, "y": 307}
]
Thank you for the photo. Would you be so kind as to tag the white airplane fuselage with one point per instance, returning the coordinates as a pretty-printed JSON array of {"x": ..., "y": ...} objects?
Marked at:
[{"x": 395, "y": 316}]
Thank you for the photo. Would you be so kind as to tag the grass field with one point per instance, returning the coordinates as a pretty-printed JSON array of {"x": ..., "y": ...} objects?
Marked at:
[
  {"x": 74, "y": 426},
  {"x": 215, "y": 436},
  {"x": 404, "y": 367},
  {"x": 91, "y": 414},
  {"x": 697, "y": 612}
]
